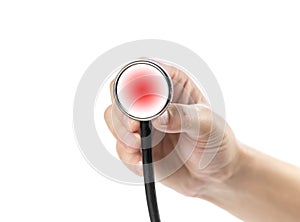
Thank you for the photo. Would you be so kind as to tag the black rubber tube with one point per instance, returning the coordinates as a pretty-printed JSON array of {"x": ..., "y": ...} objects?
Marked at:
[{"x": 148, "y": 171}]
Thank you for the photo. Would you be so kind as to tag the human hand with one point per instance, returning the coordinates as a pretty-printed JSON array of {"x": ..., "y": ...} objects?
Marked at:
[{"x": 206, "y": 150}]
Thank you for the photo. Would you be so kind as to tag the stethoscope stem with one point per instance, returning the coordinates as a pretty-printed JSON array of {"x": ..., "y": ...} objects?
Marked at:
[{"x": 148, "y": 171}]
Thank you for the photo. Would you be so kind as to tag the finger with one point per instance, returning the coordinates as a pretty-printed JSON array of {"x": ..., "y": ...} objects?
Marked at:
[
  {"x": 130, "y": 124},
  {"x": 111, "y": 87},
  {"x": 184, "y": 118},
  {"x": 120, "y": 132},
  {"x": 128, "y": 149},
  {"x": 131, "y": 160}
]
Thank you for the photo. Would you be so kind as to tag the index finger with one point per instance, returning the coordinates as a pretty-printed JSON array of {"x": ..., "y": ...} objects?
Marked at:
[
  {"x": 130, "y": 124},
  {"x": 111, "y": 87}
]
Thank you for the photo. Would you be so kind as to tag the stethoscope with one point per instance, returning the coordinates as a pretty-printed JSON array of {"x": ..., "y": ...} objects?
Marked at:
[{"x": 143, "y": 90}]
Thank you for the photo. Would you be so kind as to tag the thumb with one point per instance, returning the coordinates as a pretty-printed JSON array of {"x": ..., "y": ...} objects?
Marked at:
[{"x": 182, "y": 118}]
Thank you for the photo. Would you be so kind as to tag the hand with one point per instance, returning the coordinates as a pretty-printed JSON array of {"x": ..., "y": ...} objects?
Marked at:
[
  {"x": 209, "y": 162},
  {"x": 206, "y": 149}
]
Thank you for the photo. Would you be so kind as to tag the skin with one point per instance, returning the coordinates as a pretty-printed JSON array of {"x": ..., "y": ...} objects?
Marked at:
[{"x": 215, "y": 166}]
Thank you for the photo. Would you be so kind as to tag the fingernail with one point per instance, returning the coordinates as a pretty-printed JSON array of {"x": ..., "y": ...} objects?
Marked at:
[
  {"x": 143, "y": 57},
  {"x": 132, "y": 122}
]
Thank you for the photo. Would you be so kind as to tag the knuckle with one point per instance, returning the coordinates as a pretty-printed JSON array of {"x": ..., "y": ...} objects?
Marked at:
[
  {"x": 172, "y": 110},
  {"x": 206, "y": 117}
]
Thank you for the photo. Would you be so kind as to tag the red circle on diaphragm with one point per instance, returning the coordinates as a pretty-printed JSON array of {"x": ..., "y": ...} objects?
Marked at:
[{"x": 143, "y": 90}]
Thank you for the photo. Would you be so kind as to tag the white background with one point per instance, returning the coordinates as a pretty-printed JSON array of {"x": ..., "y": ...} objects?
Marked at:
[{"x": 252, "y": 47}]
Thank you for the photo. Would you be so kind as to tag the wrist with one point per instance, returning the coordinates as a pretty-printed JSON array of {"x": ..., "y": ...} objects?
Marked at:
[
  {"x": 258, "y": 185},
  {"x": 231, "y": 179}
]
